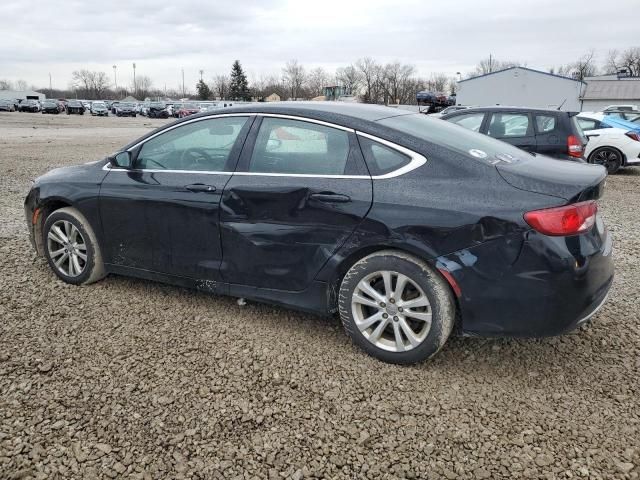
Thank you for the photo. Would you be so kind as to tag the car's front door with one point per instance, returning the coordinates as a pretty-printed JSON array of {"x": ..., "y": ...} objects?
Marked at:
[
  {"x": 300, "y": 191},
  {"x": 162, "y": 215},
  {"x": 513, "y": 127}
]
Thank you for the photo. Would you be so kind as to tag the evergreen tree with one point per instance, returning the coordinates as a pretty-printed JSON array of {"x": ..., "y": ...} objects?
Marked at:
[
  {"x": 238, "y": 87},
  {"x": 204, "y": 92}
]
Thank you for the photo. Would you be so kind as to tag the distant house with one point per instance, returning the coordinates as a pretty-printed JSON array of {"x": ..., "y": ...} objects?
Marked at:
[
  {"x": 606, "y": 90},
  {"x": 274, "y": 97},
  {"x": 21, "y": 95},
  {"x": 523, "y": 87}
]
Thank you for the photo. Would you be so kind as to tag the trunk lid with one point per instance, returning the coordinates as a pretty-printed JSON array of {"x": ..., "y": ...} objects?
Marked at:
[{"x": 571, "y": 181}]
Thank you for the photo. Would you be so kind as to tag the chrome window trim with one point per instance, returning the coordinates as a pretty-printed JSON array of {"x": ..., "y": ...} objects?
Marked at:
[{"x": 416, "y": 160}]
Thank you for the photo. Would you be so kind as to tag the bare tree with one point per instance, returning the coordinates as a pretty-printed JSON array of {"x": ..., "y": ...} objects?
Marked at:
[
  {"x": 317, "y": 79},
  {"x": 6, "y": 85},
  {"x": 21, "y": 85},
  {"x": 294, "y": 77},
  {"x": 221, "y": 86},
  {"x": 491, "y": 64},
  {"x": 350, "y": 78},
  {"x": 438, "y": 82},
  {"x": 398, "y": 85},
  {"x": 628, "y": 60},
  {"x": 143, "y": 86},
  {"x": 371, "y": 74}
]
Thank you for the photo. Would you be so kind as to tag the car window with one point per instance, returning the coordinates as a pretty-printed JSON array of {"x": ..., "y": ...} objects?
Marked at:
[
  {"x": 590, "y": 124},
  {"x": 299, "y": 147},
  {"x": 380, "y": 158},
  {"x": 204, "y": 146},
  {"x": 506, "y": 125},
  {"x": 545, "y": 123},
  {"x": 470, "y": 121}
]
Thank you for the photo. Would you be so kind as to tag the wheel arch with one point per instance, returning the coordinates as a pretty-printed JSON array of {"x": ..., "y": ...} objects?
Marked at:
[
  {"x": 342, "y": 267},
  {"x": 46, "y": 208},
  {"x": 611, "y": 147}
]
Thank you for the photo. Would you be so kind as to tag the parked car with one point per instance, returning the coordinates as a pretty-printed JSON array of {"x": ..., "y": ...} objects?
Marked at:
[
  {"x": 403, "y": 224},
  {"x": 187, "y": 109},
  {"x": 7, "y": 106},
  {"x": 75, "y": 106},
  {"x": 113, "y": 106},
  {"x": 32, "y": 106},
  {"x": 611, "y": 120},
  {"x": 125, "y": 109},
  {"x": 629, "y": 116},
  {"x": 611, "y": 147},
  {"x": 52, "y": 106},
  {"x": 549, "y": 132},
  {"x": 451, "y": 109},
  {"x": 157, "y": 110},
  {"x": 100, "y": 109},
  {"x": 86, "y": 105},
  {"x": 622, "y": 108}
]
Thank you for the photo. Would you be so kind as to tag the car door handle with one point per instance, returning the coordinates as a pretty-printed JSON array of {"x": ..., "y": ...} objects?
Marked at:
[
  {"x": 330, "y": 197},
  {"x": 200, "y": 187},
  {"x": 593, "y": 135}
]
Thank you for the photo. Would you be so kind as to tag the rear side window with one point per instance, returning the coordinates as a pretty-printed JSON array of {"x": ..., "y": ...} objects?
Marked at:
[
  {"x": 545, "y": 123},
  {"x": 508, "y": 125},
  {"x": 380, "y": 158},
  {"x": 299, "y": 147},
  {"x": 470, "y": 121}
]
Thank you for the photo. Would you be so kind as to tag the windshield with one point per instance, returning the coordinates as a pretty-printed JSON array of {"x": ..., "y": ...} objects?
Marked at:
[
  {"x": 49, "y": 102},
  {"x": 98, "y": 104},
  {"x": 192, "y": 106},
  {"x": 74, "y": 103},
  {"x": 454, "y": 137},
  {"x": 129, "y": 105}
]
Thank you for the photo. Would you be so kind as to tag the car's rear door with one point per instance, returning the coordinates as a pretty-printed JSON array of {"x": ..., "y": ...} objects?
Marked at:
[
  {"x": 300, "y": 191},
  {"x": 514, "y": 127},
  {"x": 163, "y": 214}
]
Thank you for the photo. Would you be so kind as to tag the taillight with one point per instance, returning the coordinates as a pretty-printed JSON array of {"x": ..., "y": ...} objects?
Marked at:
[
  {"x": 560, "y": 221},
  {"x": 574, "y": 146},
  {"x": 633, "y": 136}
]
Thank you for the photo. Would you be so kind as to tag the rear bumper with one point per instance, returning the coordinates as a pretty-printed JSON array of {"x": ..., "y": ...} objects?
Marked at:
[{"x": 535, "y": 286}]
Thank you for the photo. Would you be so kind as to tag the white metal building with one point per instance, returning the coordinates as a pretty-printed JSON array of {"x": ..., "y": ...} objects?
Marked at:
[
  {"x": 608, "y": 90},
  {"x": 21, "y": 95},
  {"x": 522, "y": 87}
]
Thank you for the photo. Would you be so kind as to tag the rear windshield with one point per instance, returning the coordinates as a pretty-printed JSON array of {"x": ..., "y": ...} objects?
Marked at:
[{"x": 454, "y": 137}]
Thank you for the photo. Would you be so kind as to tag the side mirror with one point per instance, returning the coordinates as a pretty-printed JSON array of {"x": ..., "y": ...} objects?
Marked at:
[{"x": 121, "y": 160}]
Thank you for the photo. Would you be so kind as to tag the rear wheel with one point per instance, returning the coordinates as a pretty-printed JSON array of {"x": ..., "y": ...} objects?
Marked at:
[
  {"x": 71, "y": 247},
  {"x": 608, "y": 157},
  {"x": 396, "y": 308}
]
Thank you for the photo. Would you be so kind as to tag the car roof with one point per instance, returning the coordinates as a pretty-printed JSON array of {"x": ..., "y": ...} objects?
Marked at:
[
  {"x": 503, "y": 108},
  {"x": 338, "y": 112}
]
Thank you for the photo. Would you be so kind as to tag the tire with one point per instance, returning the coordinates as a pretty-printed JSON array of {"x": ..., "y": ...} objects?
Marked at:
[
  {"x": 609, "y": 157},
  {"x": 59, "y": 226},
  {"x": 423, "y": 282}
]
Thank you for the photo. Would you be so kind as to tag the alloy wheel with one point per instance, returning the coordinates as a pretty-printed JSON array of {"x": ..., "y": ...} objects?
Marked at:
[
  {"x": 391, "y": 311},
  {"x": 67, "y": 248},
  {"x": 608, "y": 158}
]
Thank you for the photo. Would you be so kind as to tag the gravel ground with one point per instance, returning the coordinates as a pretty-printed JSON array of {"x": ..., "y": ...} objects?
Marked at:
[{"x": 133, "y": 379}]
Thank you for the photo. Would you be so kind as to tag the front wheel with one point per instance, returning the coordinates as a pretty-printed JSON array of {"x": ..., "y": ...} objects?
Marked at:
[
  {"x": 71, "y": 247},
  {"x": 396, "y": 307},
  {"x": 608, "y": 157}
]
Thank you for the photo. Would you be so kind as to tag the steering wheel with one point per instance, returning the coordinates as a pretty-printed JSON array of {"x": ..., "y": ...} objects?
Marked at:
[{"x": 197, "y": 156}]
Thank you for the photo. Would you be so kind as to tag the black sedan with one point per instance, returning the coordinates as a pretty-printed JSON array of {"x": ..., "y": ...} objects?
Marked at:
[
  {"x": 405, "y": 226},
  {"x": 31, "y": 106},
  {"x": 75, "y": 106},
  {"x": 51, "y": 106}
]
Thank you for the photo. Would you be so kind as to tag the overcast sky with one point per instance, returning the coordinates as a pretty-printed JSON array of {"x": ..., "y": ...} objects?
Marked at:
[{"x": 38, "y": 37}]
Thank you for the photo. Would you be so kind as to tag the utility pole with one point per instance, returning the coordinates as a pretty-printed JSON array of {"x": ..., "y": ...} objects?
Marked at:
[
  {"x": 183, "y": 83},
  {"x": 50, "y": 88},
  {"x": 490, "y": 63},
  {"x": 201, "y": 72},
  {"x": 135, "y": 85},
  {"x": 115, "y": 79}
]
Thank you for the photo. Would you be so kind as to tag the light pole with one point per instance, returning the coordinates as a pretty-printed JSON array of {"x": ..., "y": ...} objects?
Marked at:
[
  {"x": 50, "y": 88},
  {"x": 115, "y": 79},
  {"x": 201, "y": 72},
  {"x": 183, "y": 83},
  {"x": 135, "y": 85}
]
